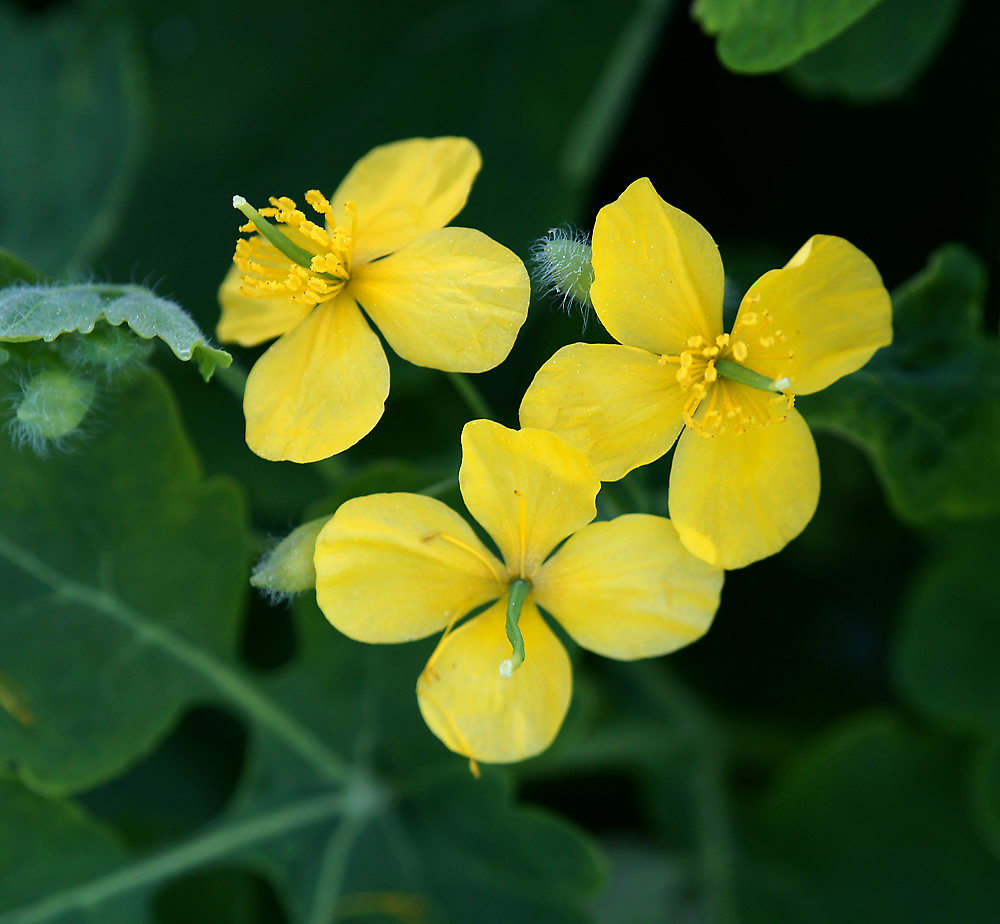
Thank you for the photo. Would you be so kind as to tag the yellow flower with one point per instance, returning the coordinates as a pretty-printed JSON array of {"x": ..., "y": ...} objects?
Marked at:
[
  {"x": 753, "y": 484},
  {"x": 448, "y": 298},
  {"x": 397, "y": 567}
]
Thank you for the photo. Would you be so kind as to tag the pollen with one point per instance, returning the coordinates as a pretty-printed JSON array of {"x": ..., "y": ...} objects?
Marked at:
[{"x": 295, "y": 258}]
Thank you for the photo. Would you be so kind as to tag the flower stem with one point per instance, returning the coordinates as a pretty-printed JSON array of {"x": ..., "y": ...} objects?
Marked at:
[{"x": 470, "y": 395}]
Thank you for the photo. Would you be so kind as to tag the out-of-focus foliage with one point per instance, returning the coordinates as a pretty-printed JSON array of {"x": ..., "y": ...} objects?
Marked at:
[
  {"x": 927, "y": 408},
  {"x": 175, "y": 750},
  {"x": 71, "y": 129},
  {"x": 882, "y": 54},
  {"x": 757, "y": 36},
  {"x": 946, "y": 650}
]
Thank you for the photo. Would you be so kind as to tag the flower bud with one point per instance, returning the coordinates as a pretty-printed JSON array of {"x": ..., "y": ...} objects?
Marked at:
[
  {"x": 563, "y": 264},
  {"x": 110, "y": 349},
  {"x": 55, "y": 402},
  {"x": 288, "y": 568}
]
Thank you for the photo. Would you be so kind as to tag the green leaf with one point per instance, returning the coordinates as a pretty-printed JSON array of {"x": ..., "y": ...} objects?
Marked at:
[
  {"x": 758, "y": 36},
  {"x": 13, "y": 269},
  {"x": 116, "y": 560},
  {"x": 32, "y": 827},
  {"x": 122, "y": 573},
  {"x": 71, "y": 129},
  {"x": 871, "y": 826},
  {"x": 881, "y": 55},
  {"x": 986, "y": 794},
  {"x": 44, "y": 312},
  {"x": 927, "y": 409},
  {"x": 945, "y": 652}
]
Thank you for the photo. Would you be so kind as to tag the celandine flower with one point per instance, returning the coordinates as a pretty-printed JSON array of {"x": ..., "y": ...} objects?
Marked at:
[
  {"x": 745, "y": 475},
  {"x": 396, "y": 567},
  {"x": 449, "y": 298}
]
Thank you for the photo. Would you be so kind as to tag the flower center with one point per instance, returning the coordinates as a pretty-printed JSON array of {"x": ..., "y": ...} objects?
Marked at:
[
  {"x": 300, "y": 260},
  {"x": 724, "y": 392}
]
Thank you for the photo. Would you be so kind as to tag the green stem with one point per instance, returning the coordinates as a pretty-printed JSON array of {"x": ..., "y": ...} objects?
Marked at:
[
  {"x": 235, "y": 687},
  {"x": 203, "y": 850},
  {"x": 470, "y": 395},
  {"x": 233, "y": 378}
]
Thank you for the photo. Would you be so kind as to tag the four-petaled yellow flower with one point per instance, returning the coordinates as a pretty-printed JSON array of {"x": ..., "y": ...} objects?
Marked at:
[
  {"x": 397, "y": 567},
  {"x": 448, "y": 298},
  {"x": 753, "y": 485}
]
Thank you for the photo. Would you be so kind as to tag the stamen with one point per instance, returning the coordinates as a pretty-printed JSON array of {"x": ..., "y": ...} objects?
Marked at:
[
  {"x": 517, "y": 593},
  {"x": 294, "y": 253}
]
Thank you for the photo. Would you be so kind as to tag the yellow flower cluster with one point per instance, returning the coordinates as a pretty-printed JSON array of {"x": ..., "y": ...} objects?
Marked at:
[{"x": 396, "y": 567}]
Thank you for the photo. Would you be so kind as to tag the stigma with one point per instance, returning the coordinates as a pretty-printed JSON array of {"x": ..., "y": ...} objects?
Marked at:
[{"x": 291, "y": 256}]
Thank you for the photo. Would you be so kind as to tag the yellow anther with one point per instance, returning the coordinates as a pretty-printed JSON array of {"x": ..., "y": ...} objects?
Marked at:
[
  {"x": 711, "y": 373},
  {"x": 696, "y": 341},
  {"x": 766, "y": 342},
  {"x": 750, "y": 319},
  {"x": 739, "y": 351},
  {"x": 722, "y": 340}
]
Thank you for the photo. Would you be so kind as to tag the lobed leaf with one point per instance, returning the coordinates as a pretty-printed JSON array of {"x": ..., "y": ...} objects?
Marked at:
[
  {"x": 758, "y": 36},
  {"x": 882, "y": 55},
  {"x": 871, "y": 825},
  {"x": 945, "y": 651},
  {"x": 122, "y": 575},
  {"x": 39, "y": 312}
]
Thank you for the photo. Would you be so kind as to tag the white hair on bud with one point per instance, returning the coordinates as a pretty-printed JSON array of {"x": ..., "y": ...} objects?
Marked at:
[{"x": 545, "y": 274}]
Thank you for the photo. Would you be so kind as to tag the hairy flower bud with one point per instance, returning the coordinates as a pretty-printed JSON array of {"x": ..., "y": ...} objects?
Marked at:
[
  {"x": 563, "y": 265},
  {"x": 107, "y": 348},
  {"x": 288, "y": 568},
  {"x": 54, "y": 404}
]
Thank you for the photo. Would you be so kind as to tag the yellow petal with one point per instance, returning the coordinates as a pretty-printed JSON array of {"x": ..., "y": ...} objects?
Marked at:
[
  {"x": 618, "y": 405},
  {"x": 740, "y": 497},
  {"x": 453, "y": 299},
  {"x": 396, "y": 567},
  {"x": 658, "y": 277},
  {"x": 627, "y": 588},
  {"x": 483, "y": 716},
  {"x": 319, "y": 389},
  {"x": 403, "y": 190},
  {"x": 527, "y": 488},
  {"x": 249, "y": 321},
  {"x": 831, "y": 308}
]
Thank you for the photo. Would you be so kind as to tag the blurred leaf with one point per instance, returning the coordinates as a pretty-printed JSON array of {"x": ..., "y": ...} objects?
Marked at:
[
  {"x": 45, "y": 312},
  {"x": 946, "y": 649},
  {"x": 342, "y": 805},
  {"x": 881, "y": 55},
  {"x": 49, "y": 844},
  {"x": 70, "y": 134},
  {"x": 758, "y": 36},
  {"x": 870, "y": 826},
  {"x": 927, "y": 409},
  {"x": 13, "y": 269},
  {"x": 646, "y": 886},
  {"x": 986, "y": 794},
  {"x": 120, "y": 572}
]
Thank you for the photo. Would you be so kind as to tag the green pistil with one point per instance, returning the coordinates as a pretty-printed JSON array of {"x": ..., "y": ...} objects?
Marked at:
[
  {"x": 294, "y": 253},
  {"x": 517, "y": 593},
  {"x": 737, "y": 373}
]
